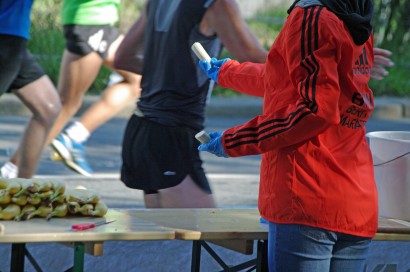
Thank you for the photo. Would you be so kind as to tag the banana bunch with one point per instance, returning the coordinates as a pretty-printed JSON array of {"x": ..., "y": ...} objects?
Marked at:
[
  {"x": 85, "y": 202},
  {"x": 23, "y": 199},
  {"x": 8, "y": 188}
]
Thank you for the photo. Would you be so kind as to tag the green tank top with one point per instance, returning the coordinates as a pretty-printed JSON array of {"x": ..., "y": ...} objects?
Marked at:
[{"x": 90, "y": 12}]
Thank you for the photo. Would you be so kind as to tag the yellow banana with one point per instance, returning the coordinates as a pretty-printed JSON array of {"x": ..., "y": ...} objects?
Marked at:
[
  {"x": 19, "y": 200},
  {"x": 3, "y": 192},
  {"x": 10, "y": 211},
  {"x": 39, "y": 186},
  {"x": 73, "y": 207},
  {"x": 46, "y": 185},
  {"x": 27, "y": 209},
  {"x": 60, "y": 199},
  {"x": 59, "y": 211},
  {"x": 5, "y": 199},
  {"x": 86, "y": 209},
  {"x": 12, "y": 186},
  {"x": 42, "y": 195},
  {"x": 100, "y": 209},
  {"x": 42, "y": 211},
  {"x": 25, "y": 184},
  {"x": 4, "y": 183},
  {"x": 58, "y": 188},
  {"x": 34, "y": 200},
  {"x": 82, "y": 196}
]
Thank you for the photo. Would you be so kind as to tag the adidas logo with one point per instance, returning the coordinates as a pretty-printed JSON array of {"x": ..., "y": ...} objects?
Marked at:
[
  {"x": 97, "y": 43},
  {"x": 362, "y": 64}
]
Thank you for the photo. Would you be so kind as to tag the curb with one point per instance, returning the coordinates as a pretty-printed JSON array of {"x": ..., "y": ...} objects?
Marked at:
[
  {"x": 391, "y": 108},
  {"x": 387, "y": 108}
]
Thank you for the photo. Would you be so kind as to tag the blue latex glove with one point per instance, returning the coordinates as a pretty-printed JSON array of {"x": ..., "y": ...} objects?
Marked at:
[
  {"x": 263, "y": 220},
  {"x": 214, "y": 146},
  {"x": 211, "y": 69}
]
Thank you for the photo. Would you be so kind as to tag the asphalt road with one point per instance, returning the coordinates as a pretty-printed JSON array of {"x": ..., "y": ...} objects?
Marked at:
[{"x": 234, "y": 182}]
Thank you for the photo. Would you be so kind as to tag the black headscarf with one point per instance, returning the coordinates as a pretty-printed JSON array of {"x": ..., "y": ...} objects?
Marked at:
[{"x": 356, "y": 14}]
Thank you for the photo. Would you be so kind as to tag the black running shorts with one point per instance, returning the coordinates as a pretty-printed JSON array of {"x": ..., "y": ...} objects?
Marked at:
[
  {"x": 157, "y": 156},
  {"x": 17, "y": 66},
  {"x": 84, "y": 39}
]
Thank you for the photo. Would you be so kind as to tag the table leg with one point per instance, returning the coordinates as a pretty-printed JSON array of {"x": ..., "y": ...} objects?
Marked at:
[
  {"x": 17, "y": 257},
  {"x": 262, "y": 256},
  {"x": 196, "y": 256},
  {"x": 32, "y": 260},
  {"x": 79, "y": 251}
]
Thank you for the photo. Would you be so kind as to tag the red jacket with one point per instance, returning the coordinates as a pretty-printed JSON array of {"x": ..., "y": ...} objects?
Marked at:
[{"x": 316, "y": 167}]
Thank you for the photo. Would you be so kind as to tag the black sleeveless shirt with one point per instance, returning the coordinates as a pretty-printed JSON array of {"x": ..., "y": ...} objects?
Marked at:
[{"x": 174, "y": 88}]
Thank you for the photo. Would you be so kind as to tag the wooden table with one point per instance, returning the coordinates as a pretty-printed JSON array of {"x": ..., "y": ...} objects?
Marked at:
[
  {"x": 393, "y": 230},
  {"x": 124, "y": 228},
  {"x": 236, "y": 229}
]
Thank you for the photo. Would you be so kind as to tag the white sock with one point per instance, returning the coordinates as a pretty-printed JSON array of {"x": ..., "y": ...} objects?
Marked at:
[
  {"x": 9, "y": 170},
  {"x": 77, "y": 132}
]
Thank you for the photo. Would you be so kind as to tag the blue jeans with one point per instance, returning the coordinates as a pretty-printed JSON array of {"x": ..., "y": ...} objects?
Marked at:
[{"x": 302, "y": 248}]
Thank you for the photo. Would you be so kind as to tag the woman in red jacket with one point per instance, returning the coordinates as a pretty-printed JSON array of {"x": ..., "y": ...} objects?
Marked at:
[{"x": 317, "y": 186}]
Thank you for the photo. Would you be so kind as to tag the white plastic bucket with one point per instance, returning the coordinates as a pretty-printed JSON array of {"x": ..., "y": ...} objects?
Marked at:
[{"x": 391, "y": 159}]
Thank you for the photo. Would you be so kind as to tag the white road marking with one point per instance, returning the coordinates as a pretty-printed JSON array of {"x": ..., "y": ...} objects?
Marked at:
[{"x": 401, "y": 222}]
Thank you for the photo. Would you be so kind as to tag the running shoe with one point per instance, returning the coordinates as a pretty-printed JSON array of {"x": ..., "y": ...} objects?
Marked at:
[
  {"x": 8, "y": 170},
  {"x": 72, "y": 153}
]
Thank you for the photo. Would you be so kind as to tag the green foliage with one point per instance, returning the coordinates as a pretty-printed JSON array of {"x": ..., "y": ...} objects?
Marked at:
[
  {"x": 397, "y": 83},
  {"x": 391, "y": 23},
  {"x": 47, "y": 40},
  {"x": 266, "y": 26},
  {"x": 392, "y": 31}
]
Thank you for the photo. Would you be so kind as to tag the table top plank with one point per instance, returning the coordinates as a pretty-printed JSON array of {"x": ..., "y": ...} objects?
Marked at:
[
  {"x": 59, "y": 229},
  {"x": 390, "y": 225},
  {"x": 165, "y": 224},
  {"x": 207, "y": 224}
]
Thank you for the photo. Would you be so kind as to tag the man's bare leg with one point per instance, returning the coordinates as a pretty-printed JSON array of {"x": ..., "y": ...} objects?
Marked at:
[
  {"x": 77, "y": 73},
  {"x": 42, "y": 99},
  {"x": 187, "y": 194}
]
